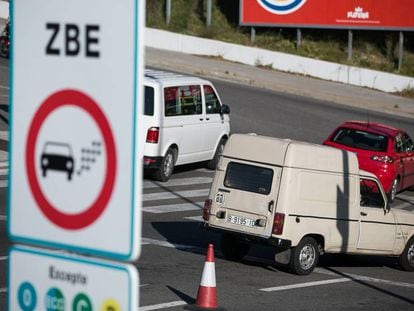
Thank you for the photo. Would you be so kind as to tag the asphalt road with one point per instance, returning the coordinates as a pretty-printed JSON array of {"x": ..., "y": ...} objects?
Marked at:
[{"x": 174, "y": 245}]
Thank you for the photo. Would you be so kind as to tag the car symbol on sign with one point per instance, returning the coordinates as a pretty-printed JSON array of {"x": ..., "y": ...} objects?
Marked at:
[{"x": 57, "y": 156}]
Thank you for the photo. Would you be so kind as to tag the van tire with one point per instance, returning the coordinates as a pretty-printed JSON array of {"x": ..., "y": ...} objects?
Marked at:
[
  {"x": 233, "y": 248},
  {"x": 407, "y": 256},
  {"x": 304, "y": 257},
  {"x": 212, "y": 164},
  {"x": 164, "y": 172}
]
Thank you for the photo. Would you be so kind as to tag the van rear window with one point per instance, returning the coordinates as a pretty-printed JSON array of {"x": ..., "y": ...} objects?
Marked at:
[{"x": 249, "y": 178}]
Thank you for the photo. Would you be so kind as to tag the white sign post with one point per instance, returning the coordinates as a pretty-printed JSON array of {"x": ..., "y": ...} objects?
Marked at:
[
  {"x": 76, "y": 175},
  {"x": 67, "y": 282}
]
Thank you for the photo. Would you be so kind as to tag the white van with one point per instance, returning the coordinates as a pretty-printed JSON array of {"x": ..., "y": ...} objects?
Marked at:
[
  {"x": 305, "y": 200},
  {"x": 185, "y": 122}
]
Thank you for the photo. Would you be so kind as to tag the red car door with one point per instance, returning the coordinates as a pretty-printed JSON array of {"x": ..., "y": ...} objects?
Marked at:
[{"x": 408, "y": 160}]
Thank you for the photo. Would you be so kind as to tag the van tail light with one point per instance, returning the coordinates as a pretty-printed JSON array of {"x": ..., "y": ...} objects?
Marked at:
[
  {"x": 153, "y": 135},
  {"x": 207, "y": 209},
  {"x": 383, "y": 159},
  {"x": 278, "y": 222}
]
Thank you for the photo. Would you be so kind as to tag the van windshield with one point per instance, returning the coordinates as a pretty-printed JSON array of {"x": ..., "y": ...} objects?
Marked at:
[
  {"x": 249, "y": 178},
  {"x": 149, "y": 101}
]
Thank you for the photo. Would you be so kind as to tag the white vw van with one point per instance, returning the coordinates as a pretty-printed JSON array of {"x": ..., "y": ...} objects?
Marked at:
[
  {"x": 304, "y": 200},
  {"x": 185, "y": 122}
]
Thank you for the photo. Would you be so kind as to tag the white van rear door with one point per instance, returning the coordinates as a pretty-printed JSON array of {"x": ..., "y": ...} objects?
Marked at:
[{"x": 247, "y": 193}]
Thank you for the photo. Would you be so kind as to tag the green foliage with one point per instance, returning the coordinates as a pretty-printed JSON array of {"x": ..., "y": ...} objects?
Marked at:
[{"x": 376, "y": 50}]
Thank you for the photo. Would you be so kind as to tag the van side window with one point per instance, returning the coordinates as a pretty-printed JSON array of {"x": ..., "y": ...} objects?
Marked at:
[
  {"x": 212, "y": 101},
  {"x": 248, "y": 178},
  {"x": 149, "y": 101},
  {"x": 182, "y": 100},
  {"x": 370, "y": 194}
]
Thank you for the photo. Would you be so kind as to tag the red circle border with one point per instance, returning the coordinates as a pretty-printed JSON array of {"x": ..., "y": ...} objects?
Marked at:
[{"x": 69, "y": 97}]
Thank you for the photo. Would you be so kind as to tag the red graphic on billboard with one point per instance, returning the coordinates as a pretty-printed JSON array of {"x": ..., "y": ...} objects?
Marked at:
[{"x": 347, "y": 14}]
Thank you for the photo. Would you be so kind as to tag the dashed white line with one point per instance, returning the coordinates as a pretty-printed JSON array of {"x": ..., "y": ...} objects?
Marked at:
[
  {"x": 3, "y": 183},
  {"x": 149, "y": 184},
  {"x": 163, "y": 305},
  {"x": 301, "y": 285},
  {"x": 174, "y": 195},
  {"x": 169, "y": 208},
  {"x": 3, "y": 290},
  {"x": 3, "y": 217}
]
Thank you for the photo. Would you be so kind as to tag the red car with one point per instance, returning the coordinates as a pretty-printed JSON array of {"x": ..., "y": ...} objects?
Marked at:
[{"x": 382, "y": 150}]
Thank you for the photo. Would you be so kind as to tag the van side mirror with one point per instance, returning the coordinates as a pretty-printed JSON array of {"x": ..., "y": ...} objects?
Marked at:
[{"x": 225, "y": 109}]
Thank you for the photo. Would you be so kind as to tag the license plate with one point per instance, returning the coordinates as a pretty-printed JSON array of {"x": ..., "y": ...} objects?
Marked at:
[{"x": 242, "y": 221}]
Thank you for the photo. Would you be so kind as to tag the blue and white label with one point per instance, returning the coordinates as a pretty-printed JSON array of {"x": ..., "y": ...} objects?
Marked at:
[{"x": 281, "y": 7}]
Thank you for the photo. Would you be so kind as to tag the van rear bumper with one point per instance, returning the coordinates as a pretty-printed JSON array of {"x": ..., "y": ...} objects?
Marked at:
[
  {"x": 152, "y": 162},
  {"x": 280, "y": 244}
]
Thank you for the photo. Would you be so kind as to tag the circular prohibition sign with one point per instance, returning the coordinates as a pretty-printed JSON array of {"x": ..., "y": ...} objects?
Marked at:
[{"x": 78, "y": 99}]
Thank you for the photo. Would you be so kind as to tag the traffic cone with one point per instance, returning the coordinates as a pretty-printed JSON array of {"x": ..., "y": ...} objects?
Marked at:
[{"x": 206, "y": 295}]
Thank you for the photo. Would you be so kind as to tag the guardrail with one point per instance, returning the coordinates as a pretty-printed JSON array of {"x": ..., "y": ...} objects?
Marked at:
[{"x": 378, "y": 80}]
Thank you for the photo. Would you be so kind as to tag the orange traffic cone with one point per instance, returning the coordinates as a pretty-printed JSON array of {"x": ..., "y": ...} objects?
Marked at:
[{"x": 206, "y": 295}]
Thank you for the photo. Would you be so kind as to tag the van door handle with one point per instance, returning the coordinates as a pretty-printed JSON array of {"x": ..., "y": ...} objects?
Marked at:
[
  {"x": 363, "y": 214},
  {"x": 270, "y": 206}
]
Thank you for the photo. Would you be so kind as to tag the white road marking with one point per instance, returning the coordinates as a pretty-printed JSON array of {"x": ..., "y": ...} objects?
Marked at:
[
  {"x": 170, "y": 245},
  {"x": 4, "y": 171},
  {"x": 175, "y": 195},
  {"x": 3, "y": 183},
  {"x": 3, "y": 86},
  {"x": 301, "y": 285},
  {"x": 4, "y": 135},
  {"x": 2, "y": 258},
  {"x": 3, "y": 217},
  {"x": 195, "y": 218},
  {"x": 365, "y": 278},
  {"x": 3, "y": 290},
  {"x": 149, "y": 184},
  {"x": 163, "y": 305},
  {"x": 169, "y": 208},
  {"x": 4, "y": 164},
  {"x": 205, "y": 170}
]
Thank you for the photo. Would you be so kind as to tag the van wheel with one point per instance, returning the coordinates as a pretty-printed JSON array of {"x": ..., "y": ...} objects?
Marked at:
[
  {"x": 233, "y": 248},
  {"x": 212, "y": 164},
  {"x": 304, "y": 257},
  {"x": 167, "y": 166},
  {"x": 407, "y": 256}
]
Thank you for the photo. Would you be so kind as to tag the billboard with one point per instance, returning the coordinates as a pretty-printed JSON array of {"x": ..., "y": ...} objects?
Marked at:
[{"x": 346, "y": 14}]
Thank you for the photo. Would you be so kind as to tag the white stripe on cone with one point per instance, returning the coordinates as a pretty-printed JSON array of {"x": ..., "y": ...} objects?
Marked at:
[{"x": 208, "y": 278}]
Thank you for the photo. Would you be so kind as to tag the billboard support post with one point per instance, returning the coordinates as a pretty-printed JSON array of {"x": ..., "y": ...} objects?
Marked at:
[
  {"x": 208, "y": 17},
  {"x": 400, "y": 50},
  {"x": 350, "y": 41},
  {"x": 168, "y": 12},
  {"x": 252, "y": 34},
  {"x": 298, "y": 38}
]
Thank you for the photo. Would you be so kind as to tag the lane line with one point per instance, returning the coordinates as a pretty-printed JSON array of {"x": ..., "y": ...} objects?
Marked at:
[
  {"x": 3, "y": 290},
  {"x": 3, "y": 217},
  {"x": 4, "y": 135},
  {"x": 365, "y": 278},
  {"x": 149, "y": 184},
  {"x": 175, "y": 195},
  {"x": 169, "y": 208},
  {"x": 2, "y": 258},
  {"x": 4, "y": 164},
  {"x": 3, "y": 86},
  {"x": 302, "y": 285},
  {"x": 163, "y": 305},
  {"x": 4, "y": 183},
  {"x": 172, "y": 245},
  {"x": 4, "y": 171},
  {"x": 195, "y": 218}
]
